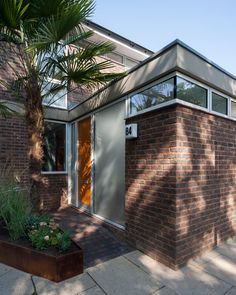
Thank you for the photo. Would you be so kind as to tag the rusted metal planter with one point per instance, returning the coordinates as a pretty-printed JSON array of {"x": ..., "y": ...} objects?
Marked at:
[{"x": 55, "y": 267}]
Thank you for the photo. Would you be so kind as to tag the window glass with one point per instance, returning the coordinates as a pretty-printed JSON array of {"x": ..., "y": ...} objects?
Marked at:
[
  {"x": 116, "y": 57},
  {"x": 191, "y": 92},
  {"x": 153, "y": 96},
  {"x": 130, "y": 63},
  {"x": 233, "y": 109},
  {"x": 54, "y": 147},
  {"x": 56, "y": 99},
  {"x": 219, "y": 103}
]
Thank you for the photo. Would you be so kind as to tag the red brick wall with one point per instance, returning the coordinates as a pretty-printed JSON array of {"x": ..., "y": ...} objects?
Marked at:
[
  {"x": 14, "y": 147},
  {"x": 181, "y": 183},
  {"x": 53, "y": 191},
  {"x": 14, "y": 138},
  {"x": 10, "y": 68},
  {"x": 206, "y": 182},
  {"x": 13, "y": 130},
  {"x": 150, "y": 185}
]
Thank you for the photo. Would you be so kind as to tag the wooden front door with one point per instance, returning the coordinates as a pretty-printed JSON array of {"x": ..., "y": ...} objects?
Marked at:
[{"x": 84, "y": 157}]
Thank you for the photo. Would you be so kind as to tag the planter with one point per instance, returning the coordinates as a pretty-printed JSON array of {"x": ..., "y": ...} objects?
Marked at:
[{"x": 48, "y": 264}]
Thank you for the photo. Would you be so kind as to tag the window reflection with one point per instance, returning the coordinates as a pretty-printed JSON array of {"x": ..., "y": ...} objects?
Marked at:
[
  {"x": 219, "y": 103},
  {"x": 54, "y": 147},
  {"x": 153, "y": 96},
  {"x": 191, "y": 92}
]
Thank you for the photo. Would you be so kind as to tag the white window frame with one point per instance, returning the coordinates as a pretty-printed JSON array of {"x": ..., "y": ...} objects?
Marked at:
[
  {"x": 230, "y": 107},
  {"x": 128, "y": 109},
  {"x": 182, "y": 102},
  {"x": 188, "y": 79},
  {"x": 224, "y": 96},
  {"x": 55, "y": 81},
  {"x": 125, "y": 62},
  {"x": 51, "y": 105},
  {"x": 66, "y": 148}
]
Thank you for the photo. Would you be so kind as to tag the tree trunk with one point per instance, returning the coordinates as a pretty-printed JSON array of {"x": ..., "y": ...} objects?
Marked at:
[{"x": 34, "y": 119}]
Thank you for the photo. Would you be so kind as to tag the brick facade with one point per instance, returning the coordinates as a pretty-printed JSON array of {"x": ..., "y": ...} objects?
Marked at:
[
  {"x": 53, "y": 191},
  {"x": 14, "y": 138},
  {"x": 205, "y": 183},
  {"x": 14, "y": 148},
  {"x": 150, "y": 185},
  {"x": 13, "y": 130},
  {"x": 180, "y": 182}
]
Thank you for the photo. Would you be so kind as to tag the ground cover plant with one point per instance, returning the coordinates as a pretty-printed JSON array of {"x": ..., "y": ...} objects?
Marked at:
[{"x": 16, "y": 217}]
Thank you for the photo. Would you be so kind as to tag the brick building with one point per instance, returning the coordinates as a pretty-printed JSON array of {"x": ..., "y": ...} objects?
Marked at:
[{"x": 171, "y": 188}]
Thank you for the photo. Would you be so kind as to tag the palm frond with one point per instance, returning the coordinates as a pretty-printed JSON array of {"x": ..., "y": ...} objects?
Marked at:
[
  {"x": 56, "y": 27},
  {"x": 6, "y": 111},
  {"x": 82, "y": 66},
  {"x": 12, "y": 13},
  {"x": 72, "y": 39}
]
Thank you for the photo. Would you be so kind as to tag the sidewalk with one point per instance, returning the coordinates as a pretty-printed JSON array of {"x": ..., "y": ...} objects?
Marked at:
[{"x": 135, "y": 273}]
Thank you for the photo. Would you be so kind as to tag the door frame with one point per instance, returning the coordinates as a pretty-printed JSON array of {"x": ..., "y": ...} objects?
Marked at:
[
  {"x": 92, "y": 116},
  {"x": 77, "y": 204}
]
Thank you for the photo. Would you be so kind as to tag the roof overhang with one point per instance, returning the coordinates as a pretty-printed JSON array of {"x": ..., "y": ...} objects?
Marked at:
[{"x": 177, "y": 56}]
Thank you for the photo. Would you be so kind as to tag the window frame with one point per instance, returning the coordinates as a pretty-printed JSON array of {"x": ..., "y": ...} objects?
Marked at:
[
  {"x": 230, "y": 107},
  {"x": 155, "y": 84},
  {"x": 182, "y": 102},
  {"x": 66, "y": 148},
  {"x": 147, "y": 86},
  {"x": 212, "y": 90},
  {"x": 55, "y": 81},
  {"x": 131, "y": 59},
  {"x": 188, "y": 79}
]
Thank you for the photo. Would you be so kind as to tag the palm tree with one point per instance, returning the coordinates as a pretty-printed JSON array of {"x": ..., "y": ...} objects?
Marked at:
[{"x": 39, "y": 31}]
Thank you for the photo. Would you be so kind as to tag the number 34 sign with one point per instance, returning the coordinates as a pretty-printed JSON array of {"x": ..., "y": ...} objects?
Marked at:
[{"x": 131, "y": 131}]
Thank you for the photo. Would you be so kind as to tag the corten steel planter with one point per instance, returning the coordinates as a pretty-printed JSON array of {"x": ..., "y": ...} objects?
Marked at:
[{"x": 47, "y": 264}]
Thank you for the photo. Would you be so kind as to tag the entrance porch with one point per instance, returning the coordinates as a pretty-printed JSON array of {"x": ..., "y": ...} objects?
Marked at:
[{"x": 99, "y": 243}]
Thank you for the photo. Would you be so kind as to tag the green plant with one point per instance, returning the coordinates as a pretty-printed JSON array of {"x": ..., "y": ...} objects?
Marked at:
[
  {"x": 44, "y": 232},
  {"x": 14, "y": 208},
  {"x": 40, "y": 32},
  {"x": 34, "y": 220}
]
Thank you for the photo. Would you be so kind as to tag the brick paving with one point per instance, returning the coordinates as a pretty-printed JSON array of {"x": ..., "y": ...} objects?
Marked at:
[{"x": 98, "y": 243}]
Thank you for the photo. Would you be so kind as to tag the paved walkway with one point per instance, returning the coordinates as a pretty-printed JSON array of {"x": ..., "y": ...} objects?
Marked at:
[
  {"x": 135, "y": 273},
  {"x": 98, "y": 243}
]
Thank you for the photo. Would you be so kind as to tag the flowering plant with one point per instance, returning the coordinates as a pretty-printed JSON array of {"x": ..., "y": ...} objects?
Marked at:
[{"x": 44, "y": 234}]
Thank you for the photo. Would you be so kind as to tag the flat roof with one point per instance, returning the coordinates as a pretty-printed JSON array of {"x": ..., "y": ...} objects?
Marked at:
[
  {"x": 176, "y": 56},
  {"x": 184, "y": 45}
]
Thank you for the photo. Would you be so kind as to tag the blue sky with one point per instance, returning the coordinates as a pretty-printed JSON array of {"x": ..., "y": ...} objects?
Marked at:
[{"x": 207, "y": 26}]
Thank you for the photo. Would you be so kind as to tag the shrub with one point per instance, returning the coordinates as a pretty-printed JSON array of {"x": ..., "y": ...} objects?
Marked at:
[
  {"x": 44, "y": 232},
  {"x": 14, "y": 208}
]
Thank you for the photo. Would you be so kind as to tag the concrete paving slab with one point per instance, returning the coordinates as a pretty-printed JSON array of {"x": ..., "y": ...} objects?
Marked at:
[
  {"x": 183, "y": 280},
  {"x": 71, "y": 286},
  {"x": 92, "y": 291},
  {"x": 231, "y": 291},
  {"x": 15, "y": 282},
  {"x": 4, "y": 269},
  {"x": 119, "y": 276},
  {"x": 228, "y": 250},
  {"x": 165, "y": 291},
  {"x": 204, "y": 258},
  {"x": 222, "y": 267},
  {"x": 231, "y": 241}
]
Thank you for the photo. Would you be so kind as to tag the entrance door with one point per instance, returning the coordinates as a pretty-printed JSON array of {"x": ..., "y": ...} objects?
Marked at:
[
  {"x": 84, "y": 159},
  {"x": 110, "y": 163}
]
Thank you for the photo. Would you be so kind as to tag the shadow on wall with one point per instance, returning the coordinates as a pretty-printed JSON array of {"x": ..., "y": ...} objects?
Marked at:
[
  {"x": 180, "y": 181},
  {"x": 206, "y": 182}
]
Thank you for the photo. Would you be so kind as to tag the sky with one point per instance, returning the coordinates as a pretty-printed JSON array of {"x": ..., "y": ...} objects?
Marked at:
[{"x": 207, "y": 26}]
